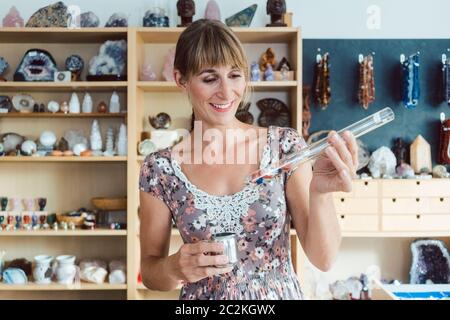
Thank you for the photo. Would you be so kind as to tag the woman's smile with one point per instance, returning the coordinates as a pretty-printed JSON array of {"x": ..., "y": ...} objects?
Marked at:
[{"x": 222, "y": 107}]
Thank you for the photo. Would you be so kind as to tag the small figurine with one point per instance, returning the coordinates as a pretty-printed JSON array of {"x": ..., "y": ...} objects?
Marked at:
[
  {"x": 42, "y": 202},
  {"x": 4, "y": 203},
  {"x": 400, "y": 151},
  {"x": 64, "y": 107},
  {"x": 102, "y": 107},
  {"x": 268, "y": 74},
  {"x": 75, "y": 65},
  {"x": 3, "y": 66},
  {"x": 276, "y": 9},
  {"x": 255, "y": 73},
  {"x": 161, "y": 121},
  {"x": 186, "y": 10},
  {"x": 267, "y": 57},
  {"x": 284, "y": 67},
  {"x": 147, "y": 73}
]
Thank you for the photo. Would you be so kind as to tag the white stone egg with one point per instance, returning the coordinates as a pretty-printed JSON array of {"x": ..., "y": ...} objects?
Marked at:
[
  {"x": 53, "y": 106},
  {"x": 28, "y": 147},
  {"x": 48, "y": 139}
]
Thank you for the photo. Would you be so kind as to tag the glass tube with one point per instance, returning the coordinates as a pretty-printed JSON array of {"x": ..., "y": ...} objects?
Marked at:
[{"x": 312, "y": 151}]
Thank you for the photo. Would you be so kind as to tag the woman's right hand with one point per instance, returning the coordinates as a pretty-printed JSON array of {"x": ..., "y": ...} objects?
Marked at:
[{"x": 194, "y": 261}]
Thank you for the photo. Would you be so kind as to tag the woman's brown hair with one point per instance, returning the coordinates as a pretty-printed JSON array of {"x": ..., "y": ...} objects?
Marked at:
[{"x": 208, "y": 43}]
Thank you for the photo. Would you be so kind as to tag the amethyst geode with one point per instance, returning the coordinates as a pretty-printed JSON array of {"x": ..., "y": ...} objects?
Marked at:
[
  {"x": 430, "y": 262},
  {"x": 36, "y": 65}
]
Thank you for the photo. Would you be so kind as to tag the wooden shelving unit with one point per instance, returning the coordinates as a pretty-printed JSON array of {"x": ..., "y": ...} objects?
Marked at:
[
  {"x": 64, "y": 233},
  {"x": 61, "y": 287},
  {"x": 62, "y": 159},
  {"x": 68, "y": 183},
  {"x": 58, "y": 115},
  {"x": 64, "y": 86}
]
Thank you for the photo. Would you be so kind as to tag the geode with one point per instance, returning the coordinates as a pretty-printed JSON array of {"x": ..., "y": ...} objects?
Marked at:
[
  {"x": 111, "y": 60},
  {"x": 89, "y": 20},
  {"x": 117, "y": 20},
  {"x": 36, "y": 65},
  {"x": 3, "y": 65},
  {"x": 23, "y": 103},
  {"x": 11, "y": 141},
  {"x": 5, "y": 104},
  {"x": 54, "y": 15},
  {"x": 430, "y": 262}
]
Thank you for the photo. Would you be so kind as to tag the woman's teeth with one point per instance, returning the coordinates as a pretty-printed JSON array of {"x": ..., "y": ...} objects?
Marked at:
[{"x": 221, "y": 106}]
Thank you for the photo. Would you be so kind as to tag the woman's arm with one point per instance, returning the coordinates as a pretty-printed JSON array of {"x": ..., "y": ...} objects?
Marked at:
[
  {"x": 155, "y": 230},
  {"x": 314, "y": 219},
  {"x": 310, "y": 201}
]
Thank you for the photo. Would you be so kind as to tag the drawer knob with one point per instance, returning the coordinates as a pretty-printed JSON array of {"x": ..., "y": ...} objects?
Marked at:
[
  {"x": 342, "y": 216},
  {"x": 418, "y": 216},
  {"x": 393, "y": 199},
  {"x": 366, "y": 183},
  {"x": 418, "y": 183},
  {"x": 417, "y": 199},
  {"x": 441, "y": 199},
  {"x": 342, "y": 199}
]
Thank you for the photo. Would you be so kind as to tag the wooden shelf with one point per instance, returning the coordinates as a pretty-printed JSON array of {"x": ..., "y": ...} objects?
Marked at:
[
  {"x": 166, "y": 86},
  {"x": 387, "y": 234},
  {"x": 61, "y": 35},
  {"x": 91, "y": 86},
  {"x": 61, "y": 115},
  {"x": 140, "y": 286},
  {"x": 64, "y": 233},
  {"x": 246, "y": 35},
  {"x": 63, "y": 159},
  {"x": 61, "y": 287}
]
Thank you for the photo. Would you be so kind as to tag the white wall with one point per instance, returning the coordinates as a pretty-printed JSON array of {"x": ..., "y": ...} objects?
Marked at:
[{"x": 319, "y": 19}]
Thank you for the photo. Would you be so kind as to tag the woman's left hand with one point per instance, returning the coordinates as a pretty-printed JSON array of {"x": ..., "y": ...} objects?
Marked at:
[{"x": 336, "y": 166}]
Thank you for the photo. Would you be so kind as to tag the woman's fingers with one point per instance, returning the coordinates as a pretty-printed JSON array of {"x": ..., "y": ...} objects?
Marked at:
[
  {"x": 202, "y": 247},
  {"x": 352, "y": 146},
  {"x": 212, "y": 271},
  {"x": 202, "y": 260},
  {"x": 343, "y": 152},
  {"x": 341, "y": 167}
]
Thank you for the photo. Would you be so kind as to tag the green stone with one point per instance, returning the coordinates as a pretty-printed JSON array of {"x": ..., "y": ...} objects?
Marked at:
[{"x": 242, "y": 18}]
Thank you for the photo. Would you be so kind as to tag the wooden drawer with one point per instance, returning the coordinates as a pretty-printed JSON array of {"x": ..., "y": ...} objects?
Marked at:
[
  {"x": 358, "y": 222},
  {"x": 416, "y": 188},
  {"x": 405, "y": 205},
  {"x": 440, "y": 205},
  {"x": 365, "y": 188},
  {"x": 356, "y": 205},
  {"x": 420, "y": 222},
  {"x": 360, "y": 189}
]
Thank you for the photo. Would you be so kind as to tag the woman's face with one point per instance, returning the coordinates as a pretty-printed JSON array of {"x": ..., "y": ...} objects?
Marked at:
[{"x": 215, "y": 94}]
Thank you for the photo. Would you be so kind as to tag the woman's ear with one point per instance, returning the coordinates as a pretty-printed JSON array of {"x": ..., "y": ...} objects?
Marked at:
[{"x": 179, "y": 79}]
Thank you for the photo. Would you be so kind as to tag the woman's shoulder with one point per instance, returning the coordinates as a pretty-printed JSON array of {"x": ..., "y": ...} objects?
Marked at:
[
  {"x": 289, "y": 139},
  {"x": 159, "y": 161}
]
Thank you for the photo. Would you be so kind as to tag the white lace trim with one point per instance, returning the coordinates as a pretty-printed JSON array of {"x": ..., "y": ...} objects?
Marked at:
[{"x": 228, "y": 209}]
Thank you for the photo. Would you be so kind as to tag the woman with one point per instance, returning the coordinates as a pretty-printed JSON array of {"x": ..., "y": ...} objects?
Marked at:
[{"x": 204, "y": 197}]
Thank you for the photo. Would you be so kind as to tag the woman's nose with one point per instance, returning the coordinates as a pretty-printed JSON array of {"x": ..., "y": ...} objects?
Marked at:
[{"x": 225, "y": 91}]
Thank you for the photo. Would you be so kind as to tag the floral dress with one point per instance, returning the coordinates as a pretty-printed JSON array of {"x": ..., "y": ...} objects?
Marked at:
[{"x": 258, "y": 214}]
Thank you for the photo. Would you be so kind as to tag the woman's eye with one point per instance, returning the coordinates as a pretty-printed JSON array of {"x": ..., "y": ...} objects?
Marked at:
[
  {"x": 209, "y": 80},
  {"x": 234, "y": 76}
]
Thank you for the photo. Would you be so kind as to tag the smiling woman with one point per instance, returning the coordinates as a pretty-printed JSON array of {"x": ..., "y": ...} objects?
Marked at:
[{"x": 208, "y": 199}]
